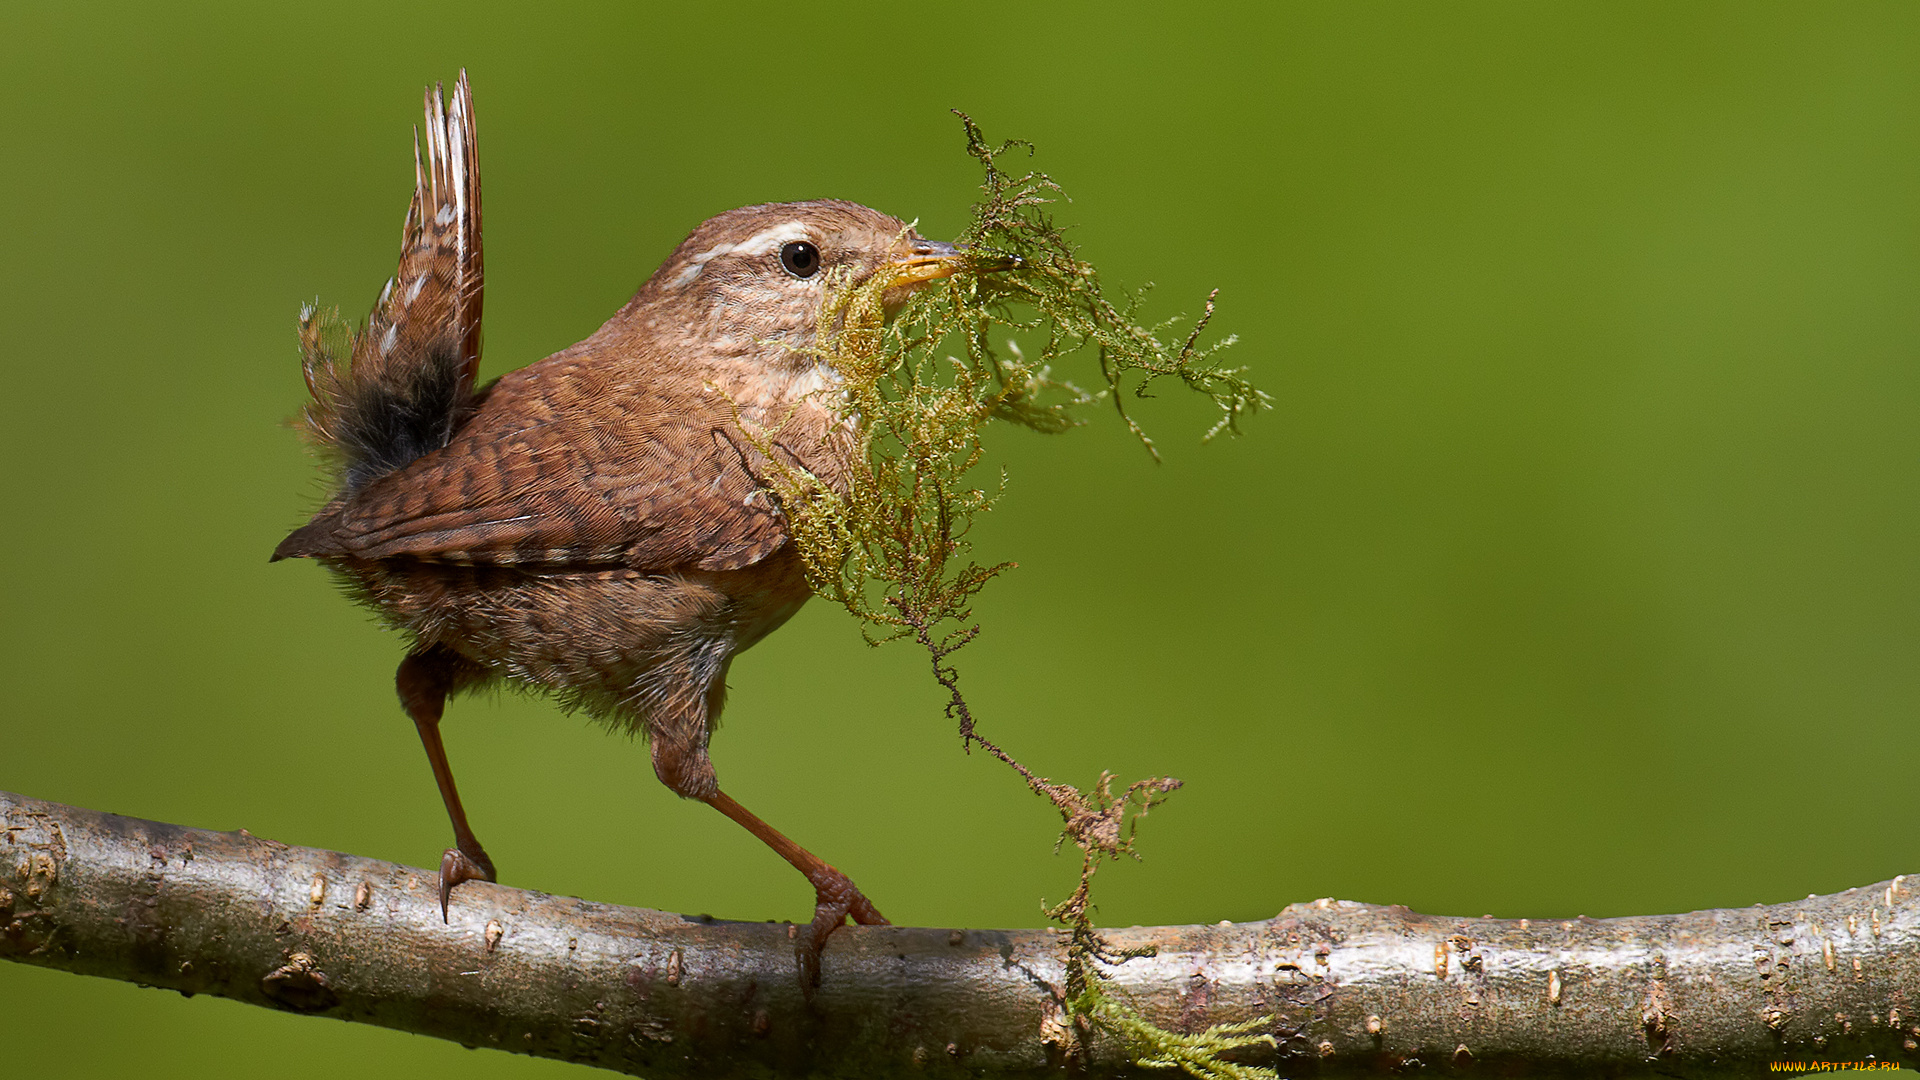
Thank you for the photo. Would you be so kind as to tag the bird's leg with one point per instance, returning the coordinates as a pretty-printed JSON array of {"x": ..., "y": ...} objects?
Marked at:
[
  {"x": 835, "y": 896},
  {"x": 424, "y": 680}
]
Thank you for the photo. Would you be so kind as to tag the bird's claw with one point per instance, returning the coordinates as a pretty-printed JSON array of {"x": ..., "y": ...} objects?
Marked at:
[
  {"x": 457, "y": 866},
  {"x": 836, "y": 899}
]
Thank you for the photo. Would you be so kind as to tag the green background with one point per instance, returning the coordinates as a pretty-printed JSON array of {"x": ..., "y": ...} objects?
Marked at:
[{"x": 1573, "y": 572}]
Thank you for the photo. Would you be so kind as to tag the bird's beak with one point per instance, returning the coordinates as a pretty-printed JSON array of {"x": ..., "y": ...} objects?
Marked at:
[
  {"x": 930, "y": 260},
  {"x": 925, "y": 260}
]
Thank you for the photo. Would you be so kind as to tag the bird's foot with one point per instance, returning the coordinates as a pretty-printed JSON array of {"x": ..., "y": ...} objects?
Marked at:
[
  {"x": 836, "y": 899},
  {"x": 457, "y": 866}
]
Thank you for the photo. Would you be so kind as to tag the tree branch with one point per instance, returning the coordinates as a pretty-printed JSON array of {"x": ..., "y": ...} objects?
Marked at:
[{"x": 1351, "y": 988}]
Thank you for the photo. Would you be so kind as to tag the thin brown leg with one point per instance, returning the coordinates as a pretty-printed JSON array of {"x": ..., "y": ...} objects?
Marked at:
[
  {"x": 424, "y": 681},
  {"x": 835, "y": 897}
]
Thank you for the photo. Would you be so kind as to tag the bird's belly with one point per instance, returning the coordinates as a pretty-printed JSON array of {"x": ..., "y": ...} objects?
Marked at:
[{"x": 589, "y": 636}]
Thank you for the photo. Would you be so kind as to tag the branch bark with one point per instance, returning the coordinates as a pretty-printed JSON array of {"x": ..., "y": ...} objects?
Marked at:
[{"x": 1351, "y": 988}]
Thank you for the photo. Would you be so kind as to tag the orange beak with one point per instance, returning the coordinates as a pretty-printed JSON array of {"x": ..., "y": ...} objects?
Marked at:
[
  {"x": 925, "y": 260},
  {"x": 931, "y": 260}
]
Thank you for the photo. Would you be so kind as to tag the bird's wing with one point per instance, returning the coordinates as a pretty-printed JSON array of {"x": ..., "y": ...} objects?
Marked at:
[{"x": 647, "y": 480}]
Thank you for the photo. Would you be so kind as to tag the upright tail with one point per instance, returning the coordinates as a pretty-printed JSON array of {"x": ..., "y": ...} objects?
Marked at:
[{"x": 398, "y": 387}]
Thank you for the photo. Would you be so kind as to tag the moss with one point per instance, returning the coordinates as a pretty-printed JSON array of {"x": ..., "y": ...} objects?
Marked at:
[
  {"x": 920, "y": 389},
  {"x": 1198, "y": 1055},
  {"x": 917, "y": 391}
]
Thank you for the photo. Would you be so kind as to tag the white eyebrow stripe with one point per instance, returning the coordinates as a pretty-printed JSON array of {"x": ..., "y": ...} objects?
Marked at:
[
  {"x": 698, "y": 263},
  {"x": 766, "y": 240},
  {"x": 712, "y": 252},
  {"x": 769, "y": 239}
]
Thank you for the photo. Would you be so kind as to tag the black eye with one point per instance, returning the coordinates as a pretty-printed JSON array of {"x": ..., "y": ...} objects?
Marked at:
[{"x": 801, "y": 259}]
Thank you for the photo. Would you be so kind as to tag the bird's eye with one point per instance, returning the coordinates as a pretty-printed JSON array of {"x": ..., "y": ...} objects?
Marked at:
[{"x": 801, "y": 259}]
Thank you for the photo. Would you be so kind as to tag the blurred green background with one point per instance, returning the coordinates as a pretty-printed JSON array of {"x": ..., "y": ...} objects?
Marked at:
[{"x": 1574, "y": 572}]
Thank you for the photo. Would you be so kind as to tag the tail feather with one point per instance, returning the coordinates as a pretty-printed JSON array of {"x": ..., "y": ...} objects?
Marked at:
[
  {"x": 399, "y": 386},
  {"x": 313, "y": 538}
]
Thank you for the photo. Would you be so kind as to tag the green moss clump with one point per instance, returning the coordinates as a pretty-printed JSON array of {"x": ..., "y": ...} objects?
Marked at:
[
  {"x": 1198, "y": 1055},
  {"x": 918, "y": 391},
  {"x": 1073, "y": 313}
]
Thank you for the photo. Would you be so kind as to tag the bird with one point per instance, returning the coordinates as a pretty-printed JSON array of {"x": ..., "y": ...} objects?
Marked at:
[{"x": 600, "y": 524}]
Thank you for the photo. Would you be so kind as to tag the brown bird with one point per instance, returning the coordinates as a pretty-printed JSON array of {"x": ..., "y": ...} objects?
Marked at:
[{"x": 596, "y": 525}]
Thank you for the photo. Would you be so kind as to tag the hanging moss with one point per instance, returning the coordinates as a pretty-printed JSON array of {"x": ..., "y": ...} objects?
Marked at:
[{"x": 916, "y": 393}]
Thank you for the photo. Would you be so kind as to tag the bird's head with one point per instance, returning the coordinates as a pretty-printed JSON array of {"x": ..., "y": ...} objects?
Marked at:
[{"x": 761, "y": 274}]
